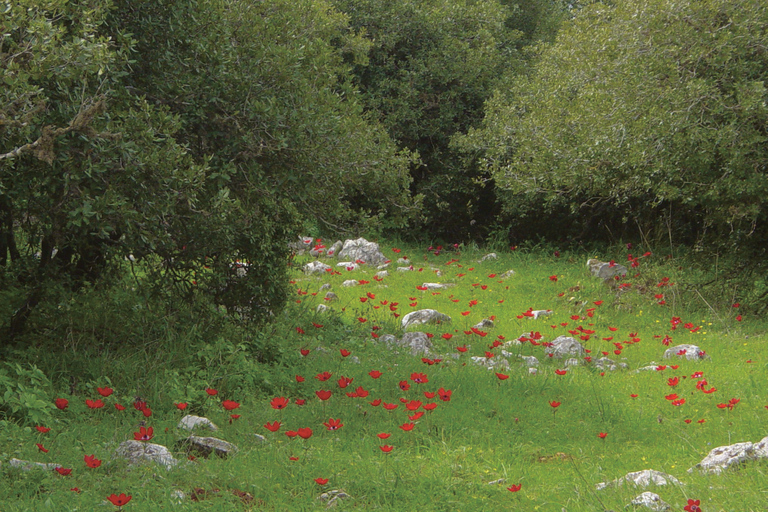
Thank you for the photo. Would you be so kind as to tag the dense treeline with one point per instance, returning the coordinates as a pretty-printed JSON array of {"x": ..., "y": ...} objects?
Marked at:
[{"x": 190, "y": 135}]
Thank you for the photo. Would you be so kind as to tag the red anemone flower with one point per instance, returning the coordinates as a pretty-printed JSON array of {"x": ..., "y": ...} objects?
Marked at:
[
  {"x": 305, "y": 433},
  {"x": 515, "y": 487},
  {"x": 419, "y": 378},
  {"x": 323, "y": 394},
  {"x": 119, "y": 407},
  {"x": 383, "y": 435},
  {"x": 63, "y": 471},
  {"x": 211, "y": 391},
  {"x": 230, "y": 405},
  {"x": 445, "y": 394},
  {"x": 119, "y": 501},
  {"x": 279, "y": 402},
  {"x": 404, "y": 385},
  {"x": 555, "y": 403},
  {"x": 273, "y": 427},
  {"x": 94, "y": 404},
  {"x": 43, "y": 430},
  {"x": 407, "y": 427},
  {"x": 144, "y": 434},
  {"x": 344, "y": 352},
  {"x": 375, "y": 374},
  {"x": 321, "y": 481},
  {"x": 181, "y": 406},
  {"x": 91, "y": 461},
  {"x": 41, "y": 448},
  {"x": 62, "y": 403},
  {"x": 502, "y": 376},
  {"x": 386, "y": 448},
  {"x": 602, "y": 435},
  {"x": 333, "y": 424},
  {"x": 105, "y": 391}
]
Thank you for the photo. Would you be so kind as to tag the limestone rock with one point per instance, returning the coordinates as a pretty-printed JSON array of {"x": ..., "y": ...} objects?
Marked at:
[
  {"x": 424, "y": 316},
  {"x": 349, "y": 265},
  {"x": 321, "y": 308},
  {"x": 316, "y": 267},
  {"x": 362, "y": 249},
  {"x": 404, "y": 269},
  {"x": 642, "y": 478},
  {"x": 572, "y": 361},
  {"x": 350, "y": 282},
  {"x": 485, "y": 323},
  {"x": 191, "y": 422},
  {"x": 493, "y": 363},
  {"x": 335, "y": 248},
  {"x": 565, "y": 346},
  {"x": 332, "y": 497},
  {"x": 724, "y": 457},
  {"x": 403, "y": 261},
  {"x": 205, "y": 446},
  {"x": 437, "y": 286},
  {"x": 652, "y": 501},
  {"x": 136, "y": 452},
  {"x": 541, "y": 312},
  {"x": 418, "y": 342},
  {"x": 326, "y": 286},
  {"x": 610, "y": 365},
  {"x": 507, "y": 274},
  {"x": 690, "y": 352},
  {"x": 489, "y": 256},
  {"x": 533, "y": 371},
  {"x": 604, "y": 270},
  {"x": 330, "y": 296},
  {"x": 26, "y": 465},
  {"x": 381, "y": 274}
]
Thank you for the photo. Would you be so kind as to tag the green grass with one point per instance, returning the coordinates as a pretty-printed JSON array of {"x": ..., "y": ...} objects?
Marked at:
[{"x": 489, "y": 430}]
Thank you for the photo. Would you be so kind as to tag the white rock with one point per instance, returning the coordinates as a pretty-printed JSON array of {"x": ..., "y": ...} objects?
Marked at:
[
  {"x": 692, "y": 352},
  {"x": 191, "y": 422},
  {"x": 642, "y": 478},
  {"x": 404, "y": 269},
  {"x": 508, "y": 273},
  {"x": 136, "y": 452},
  {"x": 489, "y": 256},
  {"x": 26, "y": 465},
  {"x": 321, "y": 308},
  {"x": 604, "y": 270},
  {"x": 485, "y": 323},
  {"x": 316, "y": 267},
  {"x": 349, "y": 265},
  {"x": 724, "y": 457},
  {"x": 565, "y": 346},
  {"x": 208, "y": 445},
  {"x": 382, "y": 274},
  {"x": 652, "y": 501},
  {"x": 350, "y": 282},
  {"x": 424, "y": 316},
  {"x": 437, "y": 286},
  {"x": 533, "y": 371},
  {"x": 541, "y": 312},
  {"x": 363, "y": 250}
]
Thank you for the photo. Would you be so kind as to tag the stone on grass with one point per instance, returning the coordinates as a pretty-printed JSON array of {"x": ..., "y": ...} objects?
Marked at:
[
  {"x": 332, "y": 497},
  {"x": 533, "y": 371},
  {"x": 529, "y": 360},
  {"x": 403, "y": 261},
  {"x": 724, "y": 457},
  {"x": 492, "y": 363},
  {"x": 690, "y": 352},
  {"x": 191, "y": 422},
  {"x": 489, "y": 256},
  {"x": 363, "y": 250},
  {"x": 26, "y": 465},
  {"x": 417, "y": 342},
  {"x": 610, "y": 365},
  {"x": 642, "y": 478},
  {"x": 437, "y": 286},
  {"x": 260, "y": 438},
  {"x": 565, "y": 346},
  {"x": 349, "y": 265},
  {"x": 571, "y": 361},
  {"x": 540, "y": 312},
  {"x": 404, "y": 269},
  {"x": 508, "y": 273},
  {"x": 136, "y": 452},
  {"x": 316, "y": 267},
  {"x": 205, "y": 446},
  {"x": 326, "y": 286},
  {"x": 652, "y": 501},
  {"x": 330, "y": 296},
  {"x": 605, "y": 270},
  {"x": 381, "y": 274},
  {"x": 335, "y": 248},
  {"x": 350, "y": 282},
  {"x": 321, "y": 308},
  {"x": 485, "y": 323},
  {"x": 424, "y": 316}
]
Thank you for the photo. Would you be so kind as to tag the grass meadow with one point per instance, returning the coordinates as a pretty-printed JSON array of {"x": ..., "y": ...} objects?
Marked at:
[{"x": 457, "y": 436}]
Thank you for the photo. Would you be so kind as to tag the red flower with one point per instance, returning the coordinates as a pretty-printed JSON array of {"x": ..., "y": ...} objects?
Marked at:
[
  {"x": 344, "y": 352},
  {"x": 561, "y": 372},
  {"x": 553, "y": 278},
  {"x": 62, "y": 403},
  {"x": 300, "y": 330},
  {"x": 43, "y": 430},
  {"x": 602, "y": 435},
  {"x": 333, "y": 424},
  {"x": 305, "y": 433},
  {"x": 515, "y": 487},
  {"x": 181, "y": 406},
  {"x": 375, "y": 374},
  {"x": 279, "y": 402},
  {"x": 273, "y": 427},
  {"x": 673, "y": 381},
  {"x": 554, "y": 404},
  {"x": 445, "y": 394},
  {"x": 407, "y": 427},
  {"x": 119, "y": 407},
  {"x": 94, "y": 404},
  {"x": 41, "y": 448},
  {"x": 376, "y": 402},
  {"x": 360, "y": 392},
  {"x": 322, "y": 394},
  {"x": 386, "y": 448},
  {"x": 291, "y": 433},
  {"x": 119, "y": 501},
  {"x": 144, "y": 434},
  {"x": 322, "y": 377},
  {"x": 230, "y": 405},
  {"x": 105, "y": 391},
  {"x": 147, "y": 412},
  {"x": 304, "y": 351},
  {"x": 633, "y": 395},
  {"x": 383, "y": 435},
  {"x": 321, "y": 481},
  {"x": 211, "y": 391},
  {"x": 414, "y": 417},
  {"x": 419, "y": 378},
  {"x": 299, "y": 378},
  {"x": 293, "y": 458},
  {"x": 502, "y": 376},
  {"x": 91, "y": 461},
  {"x": 692, "y": 506},
  {"x": 447, "y": 336},
  {"x": 390, "y": 407},
  {"x": 139, "y": 405},
  {"x": 344, "y": 382},
  {"x": 63, "y": 471},
  {"x": 429, "y": 407},
  {"x": 413, "y": 405},
  {"x": 404, "y": 385}
]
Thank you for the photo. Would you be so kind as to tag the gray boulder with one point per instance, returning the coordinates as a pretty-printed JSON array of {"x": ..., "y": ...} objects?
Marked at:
[
  {"x": 437, "y": 286},
  {"x": 724, "y": 457},
  {"x": 642, "y": 478},
  {"x": 362, "y": 249},
  {"x": 137, "y": 452},
  {"x": 330, "y": 296},
  {"x": 507, "y": 274},
  {"x": 604, "y": 270},
  {"x": 489, "y": 256},
  {"x": 424, "y": 316},
  {"x": 652, "y": 501},
  {"x": 485, "y": 323},
  {"x": 26, "y": 465},
  {"x": 417, "y": 342},
  {"x": 191, "y": 422},
  {"x": 350, "y": 282},
  {"x": 335, "y": 248},
  {"x": 690, "y": 352},
  {"x": 563, "y": 346},
  {"x": 381, "y": 274},
  {"x": 316, "y": 267},
  {"x": 205, "y": 446}
]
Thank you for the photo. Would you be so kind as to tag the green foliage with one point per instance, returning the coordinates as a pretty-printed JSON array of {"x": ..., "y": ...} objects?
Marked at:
[
  {"x": 656, "y": 107},
  {"x": 25, "y": 394}
]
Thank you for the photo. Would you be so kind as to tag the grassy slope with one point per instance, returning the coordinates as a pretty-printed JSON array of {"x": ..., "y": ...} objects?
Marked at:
[{"x": 489, "y": 430}]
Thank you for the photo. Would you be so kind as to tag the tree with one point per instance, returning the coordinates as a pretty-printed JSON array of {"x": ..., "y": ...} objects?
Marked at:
[
  {"x": 189, "y": 135},
  {"x": 652, "y": 105}
]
